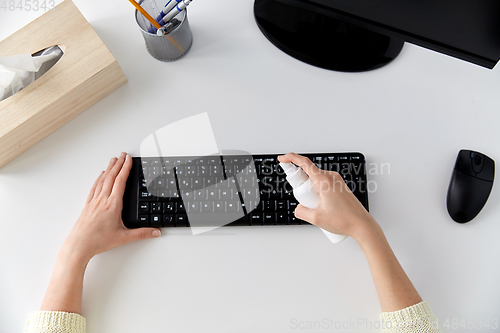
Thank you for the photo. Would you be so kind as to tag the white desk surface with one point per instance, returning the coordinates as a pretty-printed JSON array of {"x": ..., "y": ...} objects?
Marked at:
[{"x": 415, "y": 114}]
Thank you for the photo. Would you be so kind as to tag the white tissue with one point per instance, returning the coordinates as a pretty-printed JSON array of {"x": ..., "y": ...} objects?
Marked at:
[{"x": 18, "y": 71}]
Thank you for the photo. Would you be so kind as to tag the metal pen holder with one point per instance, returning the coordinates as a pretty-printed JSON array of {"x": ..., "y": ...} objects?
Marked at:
[{"x": 174, "y": 44}]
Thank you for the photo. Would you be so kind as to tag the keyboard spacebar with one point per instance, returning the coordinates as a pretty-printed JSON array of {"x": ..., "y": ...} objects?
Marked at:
[{"x": 216, "y": 219}]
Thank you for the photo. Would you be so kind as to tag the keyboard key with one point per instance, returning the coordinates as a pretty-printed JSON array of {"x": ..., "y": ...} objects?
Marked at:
[
  {"x": 200, "y": 195},
  {"x": 144, "y": 207},
  {"x": 154, "y": 171},
  {"x": 345, "y": 168},
  {"x": 184, "y": 183},
  {"x": 347, "y": 178},
  {"x": 187, "y": 195},
  {"x": 168, "y": 220},
  {"x": 216, "y": 171},
  {"x": 356, "y": 158},
  {"x": 226, "y": 194},
  {"x": 191, "y": 170},
  {"x": 219, "y": 207},
  {"x": 193, "y": 207},
  {"x": 246, "y": 182},
  {"x": 250, "y": 194},
  {"x": 164, "y": 194},
  {"x": 213, "y": 194},
  {"x": 231, "y": 182},
  {"x": 233, "y": 206},
  {"x": 269, "y": 205},
  {"x": 251, "y": 205},
  {"x": 203, "y": 170},
  {"x": 281, "y": 205},
  {"x": 357, "y": 169},
  {"x": 156, "y": 221},
  {"x": 156, "y": 207},
  {"x": 269, "y": 218},
  {"x": 168, "y": 207},
  {"x": 209, "y": 181},
  {"x": 168, "y": 163},
  {"x": 160, "y": 183},
  {"x": 287, "y": 195},
  {"x": 213, "y": 160},
  {"x": 179, "y": 161},
  {"x": 256, "y": 218},
  {"x": 144, "y": 220},
  {"x": 292, "y": 219},
  {"x": 181, "y": 220},
  {"x": 167, "y": 172},
  {"x": 197, "y": 183},
  {"x": 179, "y": 207},
  {"x": 264, "y": 195},
  {"x": 146, "y": 195},
  {"x": 266, "y": 168},
  {"x": 281, "y": 218},
  {"x": 275, "y": 194},
  {"x": 207, "y": 207},
  {"x": 333, "y": 167},
  {"x": 267, "y": 183}
]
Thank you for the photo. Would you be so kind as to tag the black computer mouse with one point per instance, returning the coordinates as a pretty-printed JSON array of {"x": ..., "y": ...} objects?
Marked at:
[{"x": 470, "y": 185}]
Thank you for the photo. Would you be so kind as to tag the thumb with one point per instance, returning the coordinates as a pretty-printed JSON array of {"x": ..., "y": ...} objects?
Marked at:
[
  {"x": 304, "y": 213},
  {"x": 142, "y": 233}
]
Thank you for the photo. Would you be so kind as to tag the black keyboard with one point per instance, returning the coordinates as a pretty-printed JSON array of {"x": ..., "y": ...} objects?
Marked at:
[{"x": 232, "y": 190}]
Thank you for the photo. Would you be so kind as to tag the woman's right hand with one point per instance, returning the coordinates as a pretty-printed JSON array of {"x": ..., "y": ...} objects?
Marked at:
[{"x": 338, "y": 210}]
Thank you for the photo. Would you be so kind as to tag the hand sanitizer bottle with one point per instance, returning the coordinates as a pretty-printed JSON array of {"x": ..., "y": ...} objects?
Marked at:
[{"x": 304, "y": 192}]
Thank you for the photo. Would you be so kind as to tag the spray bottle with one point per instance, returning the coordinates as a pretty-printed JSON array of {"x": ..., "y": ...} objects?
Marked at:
[{"x": 304, "y": 192}]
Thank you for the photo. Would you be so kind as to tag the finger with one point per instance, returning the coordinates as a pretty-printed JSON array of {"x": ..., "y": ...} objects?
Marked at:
[
  {"x": 92, "y": 190},
  {"x": 110, "y": 178},
  {"x": 304, "y": 213},
  {"x": 305, "y": 163},
  {"x": 98, "y": 188},
  {"x": 141, "y": 233},
  {"x": 121, "y": 179}
]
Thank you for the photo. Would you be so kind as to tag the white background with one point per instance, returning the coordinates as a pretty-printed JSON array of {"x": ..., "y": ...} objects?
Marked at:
[{"x": 415, "y": 114}]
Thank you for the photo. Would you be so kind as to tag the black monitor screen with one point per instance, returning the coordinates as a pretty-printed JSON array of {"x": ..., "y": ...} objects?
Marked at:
[
  {"x": 470, "y": 26},
  {"x": 357, "y": 35}
]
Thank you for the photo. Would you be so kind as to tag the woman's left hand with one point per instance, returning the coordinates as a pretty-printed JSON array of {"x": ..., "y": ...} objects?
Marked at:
[{"x": 100, "y": 227}]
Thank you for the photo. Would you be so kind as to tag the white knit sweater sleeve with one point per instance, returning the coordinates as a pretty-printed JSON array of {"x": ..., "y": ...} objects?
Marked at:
[
  {"x": 55, "y": 322},
  {"x": 417, "y": 318}
]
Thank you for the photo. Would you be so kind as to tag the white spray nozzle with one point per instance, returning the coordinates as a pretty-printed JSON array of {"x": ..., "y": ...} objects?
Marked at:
[
  {"x": 288, "y": 167},
  {"x": 295, "y": 175}
]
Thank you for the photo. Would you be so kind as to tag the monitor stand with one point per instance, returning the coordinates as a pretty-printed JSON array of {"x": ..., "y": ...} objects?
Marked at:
[{"x": 321, "y": 40}]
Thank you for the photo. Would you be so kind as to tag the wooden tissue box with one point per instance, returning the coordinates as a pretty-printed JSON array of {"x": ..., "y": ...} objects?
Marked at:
[{"x": 86, "y": 73}]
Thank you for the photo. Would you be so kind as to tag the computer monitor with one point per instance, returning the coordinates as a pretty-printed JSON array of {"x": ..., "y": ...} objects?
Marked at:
[{"x": 361, "y": 35}]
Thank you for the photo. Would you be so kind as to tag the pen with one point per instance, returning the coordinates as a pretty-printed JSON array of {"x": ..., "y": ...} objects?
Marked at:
[
  {"x": 168, "y": 27},
  {"x": 168, "y": 7},
  {"x": 153, "y": 22},
  {"x": 175, "y": 11}
]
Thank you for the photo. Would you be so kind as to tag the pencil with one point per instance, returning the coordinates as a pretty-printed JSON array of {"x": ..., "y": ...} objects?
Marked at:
[{"x": 156, "y": 24}]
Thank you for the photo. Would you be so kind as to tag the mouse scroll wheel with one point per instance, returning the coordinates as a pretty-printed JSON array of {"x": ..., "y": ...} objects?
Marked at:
[{"x": 477, "y": 160}]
